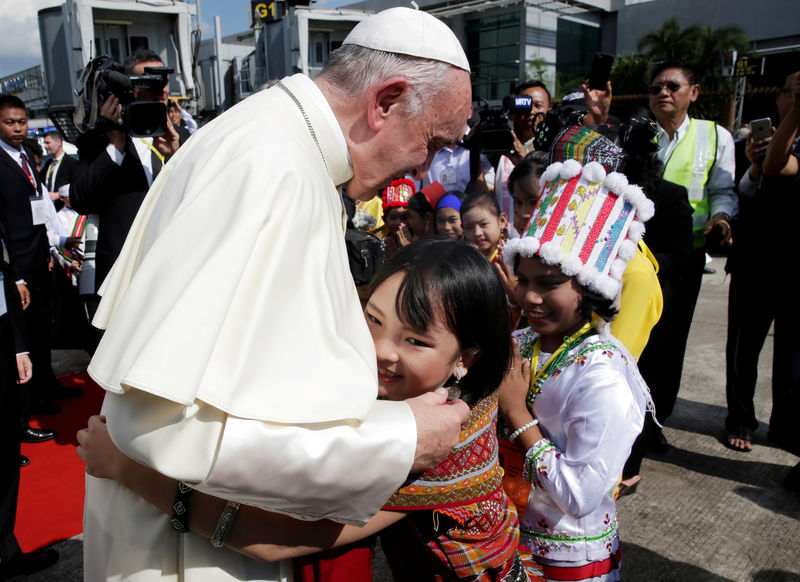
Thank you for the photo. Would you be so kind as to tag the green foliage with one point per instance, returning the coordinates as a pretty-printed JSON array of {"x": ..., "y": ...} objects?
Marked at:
[
  {"x": 700, "y": 45},
  {"x": 566, "y": 83},
  {"x": 536, "y": 70}
]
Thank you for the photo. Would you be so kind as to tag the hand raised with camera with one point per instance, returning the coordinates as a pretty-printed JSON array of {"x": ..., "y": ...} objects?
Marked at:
[
  {"x": 598, "y": 103},
  {"x": 112, "y": 110},
  {"x": 519, "y": 150}
]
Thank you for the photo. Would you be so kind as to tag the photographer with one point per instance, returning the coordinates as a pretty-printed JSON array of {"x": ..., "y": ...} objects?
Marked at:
[
  {"x": 116, "y": 169},
  {"x": 524, "y": 124}
]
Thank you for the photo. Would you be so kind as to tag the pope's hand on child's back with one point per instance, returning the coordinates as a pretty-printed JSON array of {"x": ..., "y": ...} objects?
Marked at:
[
  {"x": 514, "y": 389},
  {"x": 438, "y": 427}
]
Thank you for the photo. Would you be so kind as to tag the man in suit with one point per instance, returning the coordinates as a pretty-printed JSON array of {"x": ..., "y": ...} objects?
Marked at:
[
  {"x": 15, "y": 368},
  {"x": 59, "y": 169},
  {"x": 116, "y": 169},
  {"x": 24, "y": 212}
]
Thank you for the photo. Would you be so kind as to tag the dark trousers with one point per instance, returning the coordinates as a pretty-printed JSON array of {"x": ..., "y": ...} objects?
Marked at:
[
  {"x": 753, "y": 305},
  {"x": 39, "y": 321},
  {"x": 9, "y": 445},
  {"x": 661, "y": 362}
]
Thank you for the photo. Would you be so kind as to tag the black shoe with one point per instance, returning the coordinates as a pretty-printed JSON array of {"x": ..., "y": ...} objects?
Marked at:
[
  {"x": 36, "y": 435},
  {"x": 57, "y": 391},
  {"x": 25, "y": 564},
  {"x": 659, "y": 444},
  {"x": 44, "y": 407},
  {"x": 24, "y": 461}
]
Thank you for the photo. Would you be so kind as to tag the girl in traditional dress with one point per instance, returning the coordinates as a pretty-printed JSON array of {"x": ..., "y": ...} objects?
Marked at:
[
  {"x": 484, "y": 225},
  {"x": 437, "y": 315},
  {"x": 575, "y": 402}
]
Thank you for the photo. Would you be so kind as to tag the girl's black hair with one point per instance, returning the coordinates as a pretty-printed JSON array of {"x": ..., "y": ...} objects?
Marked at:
[
  {"x": 450, "y": 277},
  {"x": 534, "y": 163},
  {"x": 484, "y": 199},
  {"x": 592, "y": 302},
  {"x": 420, "y": 204}
]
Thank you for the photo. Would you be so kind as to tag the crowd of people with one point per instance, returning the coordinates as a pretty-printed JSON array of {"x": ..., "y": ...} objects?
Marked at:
[{"x": 480, "y": 404}]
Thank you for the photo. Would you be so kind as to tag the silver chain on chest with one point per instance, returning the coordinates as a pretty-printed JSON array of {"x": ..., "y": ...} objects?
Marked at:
[{"x": 308, "y": 121}]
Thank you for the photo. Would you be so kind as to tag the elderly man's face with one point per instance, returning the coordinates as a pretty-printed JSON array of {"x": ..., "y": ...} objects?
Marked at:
[
  {"x": 406, "y": 144},
  {"x": 675, "y": 94}
]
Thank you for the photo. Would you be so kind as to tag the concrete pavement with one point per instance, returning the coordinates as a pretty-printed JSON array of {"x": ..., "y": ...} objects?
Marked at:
[{"x": 703, "y": 513}]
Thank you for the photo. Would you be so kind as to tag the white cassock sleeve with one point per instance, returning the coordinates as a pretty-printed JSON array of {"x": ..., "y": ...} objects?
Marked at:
[{"x": 344, "y": 471}]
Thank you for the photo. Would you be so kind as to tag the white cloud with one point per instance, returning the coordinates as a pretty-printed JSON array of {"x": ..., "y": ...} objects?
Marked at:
[{"x": 19, "y": 34}]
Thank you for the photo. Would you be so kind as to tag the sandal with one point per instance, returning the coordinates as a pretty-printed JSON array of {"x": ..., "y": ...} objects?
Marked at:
[
  {"x": 628, "y": 486},
  {"x": 742, "y": 434}
]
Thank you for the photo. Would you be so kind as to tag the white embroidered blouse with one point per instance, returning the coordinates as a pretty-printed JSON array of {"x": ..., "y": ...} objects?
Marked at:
[{"x": 590, "y": 409}]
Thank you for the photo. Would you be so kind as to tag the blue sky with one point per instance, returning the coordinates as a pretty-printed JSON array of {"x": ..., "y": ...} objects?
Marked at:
[{"x": 19, "y": 31}]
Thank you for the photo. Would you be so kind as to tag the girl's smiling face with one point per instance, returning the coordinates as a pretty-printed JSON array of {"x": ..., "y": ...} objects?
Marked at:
[
  {"x": 410, "y": 361},
  {"x": 448, "y": 222},
  {"x": 483, "y": 229},
  {"x": 551, "y": 300}
]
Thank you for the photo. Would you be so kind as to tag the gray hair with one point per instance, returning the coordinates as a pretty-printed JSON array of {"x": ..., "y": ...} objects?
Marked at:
[{"x": 352, "y": 70}]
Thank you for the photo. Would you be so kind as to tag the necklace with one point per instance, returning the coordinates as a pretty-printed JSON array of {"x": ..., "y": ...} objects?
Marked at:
[
  {"x": 555, "y": 359},
  {"x": 307, "y": 120}
]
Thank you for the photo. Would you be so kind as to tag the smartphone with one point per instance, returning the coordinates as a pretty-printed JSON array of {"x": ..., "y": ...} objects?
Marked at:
[
  {"x": 760, "y": 128},
  {"x": 601, "y": 70}
]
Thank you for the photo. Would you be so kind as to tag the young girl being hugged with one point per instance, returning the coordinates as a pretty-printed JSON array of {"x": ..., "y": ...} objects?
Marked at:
[
  {"x": 484, "y": 225},
  {"x": 437, "y": 316},
  {"x": 575, "y": 403}
]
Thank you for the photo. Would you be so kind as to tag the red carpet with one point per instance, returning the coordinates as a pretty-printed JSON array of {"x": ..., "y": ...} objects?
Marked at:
[{"x": 50, "y": 505}]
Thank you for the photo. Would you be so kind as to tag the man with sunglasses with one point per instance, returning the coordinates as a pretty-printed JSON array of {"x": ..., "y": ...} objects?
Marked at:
[{"x": 698, "y": 155}]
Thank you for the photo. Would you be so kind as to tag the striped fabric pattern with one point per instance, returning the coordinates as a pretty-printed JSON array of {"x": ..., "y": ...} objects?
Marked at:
[
  {"x": 587, "y": 222},
  {"x": 473, "y": 532}
]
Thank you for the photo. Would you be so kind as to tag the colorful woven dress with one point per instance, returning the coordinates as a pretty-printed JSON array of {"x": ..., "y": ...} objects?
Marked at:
[{"x": 462, "y": 525}]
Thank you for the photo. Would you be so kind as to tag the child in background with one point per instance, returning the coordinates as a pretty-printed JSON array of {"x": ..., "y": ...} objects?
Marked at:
[
  {"x": 523, "y": 183},
  {"x": 484, "y": 224},
  {"x": 448, "y": 215},
  {"x": 395, "y": 214},
  {"x": 421, "y": 208},
  {"x": 576, "y": 402},
  {"x": 422, "y": 316}
]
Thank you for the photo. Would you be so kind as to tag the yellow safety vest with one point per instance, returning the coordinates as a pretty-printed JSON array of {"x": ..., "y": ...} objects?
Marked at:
[{"x": 690, "y": 165}]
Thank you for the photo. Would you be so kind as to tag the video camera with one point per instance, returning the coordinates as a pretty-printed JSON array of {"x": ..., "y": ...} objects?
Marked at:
[
  {"x": 103, "y": 77},
  {"x": 494, "y": 135}
]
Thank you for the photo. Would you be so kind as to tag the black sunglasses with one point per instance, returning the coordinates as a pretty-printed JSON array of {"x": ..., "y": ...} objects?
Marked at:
[{"x": 671, "y": 86}]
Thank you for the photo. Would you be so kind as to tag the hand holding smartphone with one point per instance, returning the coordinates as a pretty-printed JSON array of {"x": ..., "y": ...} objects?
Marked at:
[
  {"x": 601, "y": 71},
  {"x": 760, "y": 128}
]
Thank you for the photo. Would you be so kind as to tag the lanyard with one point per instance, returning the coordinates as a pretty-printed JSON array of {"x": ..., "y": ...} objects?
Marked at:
[
  {"x": 26, "y": 168},
  {"x": 538, "y": 378},
  {"x": 51, "y": 170},
  {"x": 155, "y": 151}
]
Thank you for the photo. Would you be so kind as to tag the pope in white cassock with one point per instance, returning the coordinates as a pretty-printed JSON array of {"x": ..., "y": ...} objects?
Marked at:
[{"x": 236, "y": 357}]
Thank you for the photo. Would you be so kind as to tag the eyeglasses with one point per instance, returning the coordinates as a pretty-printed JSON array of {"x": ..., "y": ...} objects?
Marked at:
[{"x": 671, "y": 86}]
